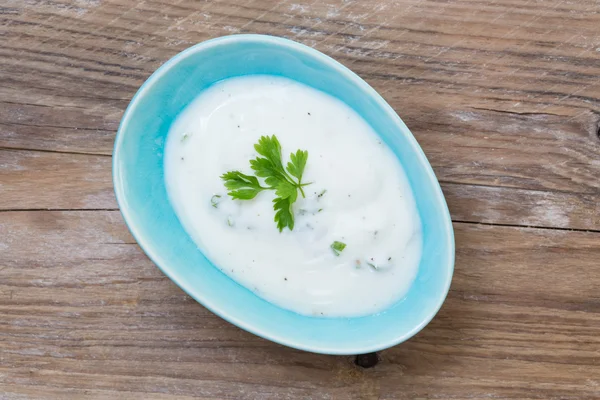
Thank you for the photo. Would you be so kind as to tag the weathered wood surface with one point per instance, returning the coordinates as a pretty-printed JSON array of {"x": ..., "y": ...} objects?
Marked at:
[{"x": 504, "y": 98}]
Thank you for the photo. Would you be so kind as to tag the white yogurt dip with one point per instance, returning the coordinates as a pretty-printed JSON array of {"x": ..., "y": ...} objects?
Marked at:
[{"x": 359, "y": 196}]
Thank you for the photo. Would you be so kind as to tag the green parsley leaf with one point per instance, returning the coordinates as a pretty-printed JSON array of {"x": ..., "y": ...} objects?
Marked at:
[
  {"x": 237, "y": 180},
  {"x": 284, "y": 215},
  {"x": 274, "y": 181},
  {"x": 264, "y": 168},
  {"x": 338, "y": 247},
  {"x": 270, "y": 148},
  {"x": 297, "y": 163},
  {"x": 244, "y": 194},
  {"x": 284, "y": 189},
  {"x": 286, "y": 182},
  {"x": 241, "y": 186}
]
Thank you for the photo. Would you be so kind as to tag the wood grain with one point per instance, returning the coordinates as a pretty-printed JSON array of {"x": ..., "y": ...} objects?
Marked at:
[
  {"x": 84, "y": 309},
  {"x": 55, "y": 181},
  {"x": 504, "y": 98}
]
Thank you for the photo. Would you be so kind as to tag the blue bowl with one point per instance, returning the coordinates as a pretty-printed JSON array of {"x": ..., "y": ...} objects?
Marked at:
[{"x": 138, "y": 176}]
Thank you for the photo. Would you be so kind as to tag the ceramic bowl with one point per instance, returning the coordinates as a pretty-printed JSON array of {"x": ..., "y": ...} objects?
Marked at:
[{"x": 138, "y": 176}]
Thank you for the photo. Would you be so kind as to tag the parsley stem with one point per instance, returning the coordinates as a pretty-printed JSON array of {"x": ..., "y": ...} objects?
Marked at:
[
  {"x": 289, "y": 180},
  {"x": 301, "y": 191},
  {"x": 301, "y": 185}
]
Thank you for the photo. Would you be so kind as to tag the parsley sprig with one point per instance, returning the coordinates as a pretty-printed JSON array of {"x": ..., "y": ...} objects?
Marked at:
[{"x": 286, "y": 182}]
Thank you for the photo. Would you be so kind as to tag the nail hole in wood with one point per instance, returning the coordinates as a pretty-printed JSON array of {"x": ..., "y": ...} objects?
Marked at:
[
  {"x": 598, "y": 130},
  {"x": 367, "y": 360}
]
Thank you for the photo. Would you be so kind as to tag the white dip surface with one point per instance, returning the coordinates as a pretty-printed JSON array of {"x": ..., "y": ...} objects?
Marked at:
[{"x": 367, "y": 204}]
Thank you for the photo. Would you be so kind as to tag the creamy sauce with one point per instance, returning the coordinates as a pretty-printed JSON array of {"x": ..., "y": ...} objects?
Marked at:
[{"x": 359, "y": 196}]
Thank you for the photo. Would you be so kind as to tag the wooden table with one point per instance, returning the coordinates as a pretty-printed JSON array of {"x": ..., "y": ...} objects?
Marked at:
[{"x": 504, "y": 98}]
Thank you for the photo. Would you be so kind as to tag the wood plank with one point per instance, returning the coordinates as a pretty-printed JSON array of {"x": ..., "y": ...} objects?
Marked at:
[
  {"x": 40, "y": 392},
  {"x": 42, "y": 180},
  {"x": 32, "y": 179},
  {"x": 503, "y": 101},
  {"x": 85, "y": 127},
  {"x": 85, "y": 312},
  {"x": 527, "y": 134},
  {"x": 540, "y": 152},
  {"x": 524, "y": 207}
]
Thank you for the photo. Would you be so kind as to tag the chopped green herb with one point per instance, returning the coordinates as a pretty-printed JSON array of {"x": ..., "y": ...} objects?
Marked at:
[
  {"x": 322, "y": 193},
  {"x": 229, "y": 220},
  {"x": 286, "y": 182},
  {"x": 338, "y": 247},
  {"x": 320, "y": 209},
  {"x": 372, "y": 265},
  {"x": 184, "y": 137},
  {"x": 214, "y": 201}
]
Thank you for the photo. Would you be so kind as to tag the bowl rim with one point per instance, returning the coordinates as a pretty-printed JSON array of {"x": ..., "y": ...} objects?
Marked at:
[{"x": 245, "y": 324}]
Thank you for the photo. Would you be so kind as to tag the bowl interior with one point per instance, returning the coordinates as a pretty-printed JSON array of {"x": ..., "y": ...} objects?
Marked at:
[{"x": 140, "y": 188}]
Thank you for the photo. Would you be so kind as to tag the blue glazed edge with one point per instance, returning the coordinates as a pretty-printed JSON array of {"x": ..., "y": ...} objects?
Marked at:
[{"x": 393, "y": 117}]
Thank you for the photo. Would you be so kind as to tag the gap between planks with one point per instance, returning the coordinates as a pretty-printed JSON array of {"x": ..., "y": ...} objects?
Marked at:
[
  {"x": 455, "y": 221},
  {"x": 80, "y": 153}
]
